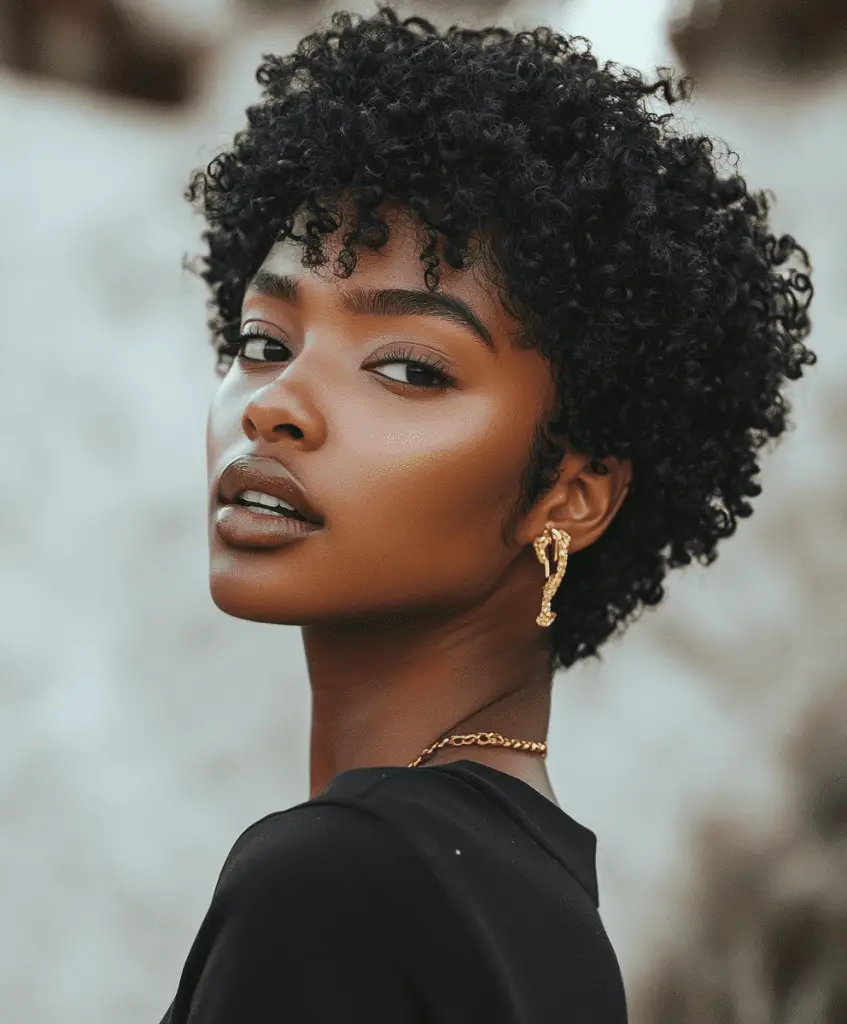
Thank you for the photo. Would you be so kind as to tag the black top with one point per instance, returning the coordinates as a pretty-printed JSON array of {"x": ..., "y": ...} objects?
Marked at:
[{"x": 452, "y": 893}]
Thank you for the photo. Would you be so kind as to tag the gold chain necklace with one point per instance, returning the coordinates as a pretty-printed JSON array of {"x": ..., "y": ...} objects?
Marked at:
[{"x": 482, "y": 739}]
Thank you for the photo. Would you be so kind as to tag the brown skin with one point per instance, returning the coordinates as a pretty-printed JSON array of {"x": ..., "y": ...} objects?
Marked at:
[{"x": 418, "y": 620}]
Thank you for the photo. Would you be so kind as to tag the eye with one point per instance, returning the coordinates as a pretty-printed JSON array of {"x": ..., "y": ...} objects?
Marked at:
[
  {"x": 252, "y": 346},
  {"x": 425, "y": 372},
  {"x": 257, "y": 347}
]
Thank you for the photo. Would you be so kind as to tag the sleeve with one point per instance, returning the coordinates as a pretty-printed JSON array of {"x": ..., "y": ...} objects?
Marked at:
[{"x": 312, "y": 925}]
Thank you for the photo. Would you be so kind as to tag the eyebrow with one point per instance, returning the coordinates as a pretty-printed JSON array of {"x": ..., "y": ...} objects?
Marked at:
[{"x": 383, "y": 302}]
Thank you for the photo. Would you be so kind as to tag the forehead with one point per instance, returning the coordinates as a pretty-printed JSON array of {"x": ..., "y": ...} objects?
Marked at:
[{"x": 397, "y": 264}]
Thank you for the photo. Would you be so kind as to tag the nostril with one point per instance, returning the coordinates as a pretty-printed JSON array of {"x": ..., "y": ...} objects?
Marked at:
[{"x": 295, "y": 432}]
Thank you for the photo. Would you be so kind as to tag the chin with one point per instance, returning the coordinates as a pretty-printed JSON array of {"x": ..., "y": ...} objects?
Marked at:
[{"x": 254, "y": 591}]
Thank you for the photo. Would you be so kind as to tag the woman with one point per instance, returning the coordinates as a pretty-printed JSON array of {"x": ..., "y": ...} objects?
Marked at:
[{"x": 478, "y": 313}]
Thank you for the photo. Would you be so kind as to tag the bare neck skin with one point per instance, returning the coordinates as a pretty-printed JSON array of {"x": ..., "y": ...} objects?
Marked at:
[{"x": 381, "y": 695}]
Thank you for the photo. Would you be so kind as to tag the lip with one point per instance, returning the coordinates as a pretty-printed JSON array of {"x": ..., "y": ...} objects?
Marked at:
[
  {"x": 260, "y": 473},
  {"x": 240, "y": 526}
]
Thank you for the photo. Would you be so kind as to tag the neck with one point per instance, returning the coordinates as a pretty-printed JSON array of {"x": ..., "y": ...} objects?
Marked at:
[{"x": 382, "y": 692}]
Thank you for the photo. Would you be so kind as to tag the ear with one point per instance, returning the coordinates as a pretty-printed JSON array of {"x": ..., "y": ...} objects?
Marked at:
[{"x": 582, "y": 502}]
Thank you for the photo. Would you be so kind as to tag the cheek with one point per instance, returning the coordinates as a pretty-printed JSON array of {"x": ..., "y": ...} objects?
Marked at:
[
  {"x": 442, "y": 487},
  {"x": 459, "y": 463}
]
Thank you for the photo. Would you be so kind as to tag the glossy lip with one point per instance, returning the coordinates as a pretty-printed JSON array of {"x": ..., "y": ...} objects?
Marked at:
[
  {"x": 260, "y": 473},
  {"x": 241, "y": 526}
]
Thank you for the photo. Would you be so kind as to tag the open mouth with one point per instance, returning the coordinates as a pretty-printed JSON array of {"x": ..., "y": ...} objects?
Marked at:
[{"x": 272, "y": 506}]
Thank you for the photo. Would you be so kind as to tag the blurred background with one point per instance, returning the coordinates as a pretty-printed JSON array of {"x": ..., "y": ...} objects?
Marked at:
[{"x": 142, "y": 730}]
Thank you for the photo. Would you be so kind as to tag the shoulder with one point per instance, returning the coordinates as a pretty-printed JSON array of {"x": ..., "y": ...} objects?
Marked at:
[
  {"x": 356, "y": 825},
  {"x": 323, "y": 846},
  {"x": 312, "y": 913},
  {"x": 312, "y": 877}
]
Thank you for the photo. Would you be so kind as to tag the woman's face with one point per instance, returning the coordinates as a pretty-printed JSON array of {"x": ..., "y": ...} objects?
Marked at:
[{"x": 411, "y": 471}]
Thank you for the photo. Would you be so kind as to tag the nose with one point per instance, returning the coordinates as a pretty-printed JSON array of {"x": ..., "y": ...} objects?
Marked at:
[{"x": 282, "y": 410}]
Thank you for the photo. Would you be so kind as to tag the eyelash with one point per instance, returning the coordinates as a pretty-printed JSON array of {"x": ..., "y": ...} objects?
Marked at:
[{"x": 229, "y": 350}]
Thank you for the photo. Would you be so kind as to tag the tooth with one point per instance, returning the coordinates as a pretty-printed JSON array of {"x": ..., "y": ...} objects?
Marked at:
[{"x": 268, "y": 500}]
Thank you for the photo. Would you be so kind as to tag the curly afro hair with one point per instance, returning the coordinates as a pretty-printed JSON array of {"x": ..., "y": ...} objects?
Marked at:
[{"x": 647, "y": 280}]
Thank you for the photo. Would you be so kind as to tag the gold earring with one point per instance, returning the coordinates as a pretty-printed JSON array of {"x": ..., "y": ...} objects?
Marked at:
[{"x": 560, "y": 541}]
